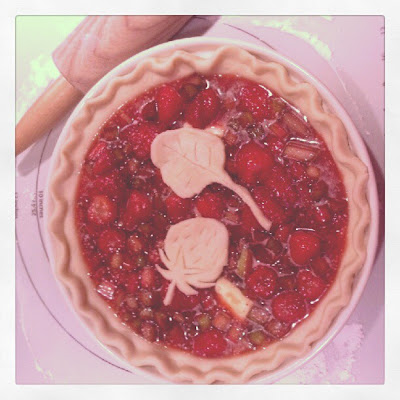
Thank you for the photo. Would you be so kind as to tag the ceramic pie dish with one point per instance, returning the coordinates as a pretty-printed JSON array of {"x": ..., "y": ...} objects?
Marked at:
[{"x": 209, "y": 213}]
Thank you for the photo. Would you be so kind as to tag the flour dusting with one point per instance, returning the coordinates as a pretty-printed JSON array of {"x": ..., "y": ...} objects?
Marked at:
[{"x": 335, "y": 363}]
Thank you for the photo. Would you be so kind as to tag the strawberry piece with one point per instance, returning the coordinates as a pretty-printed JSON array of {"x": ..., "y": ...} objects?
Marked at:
[
  {"x": 249, "y": 222},
  {"x": 208, "y": 299},
  {"x": 180, "y": 302},
  {"x": 320, "y": 266},
  {"x": 138, "y": 209},
  {"x": 319, "y": 190},
  {"x": 338, "y": 206},
  {"x": 309, "y": 285},
  {"x": 255, "y": 99},
  {"x": 210, "y": 205},
  {"x": 111, "y": 241},
  {"x": 277, "y": 328},
  {"x": 275, "y": 145},
  {"x": 110, "y": 184},
  {"x": 262, "y": 282},
  {"x": 177, "y": 207},
  {"x": 102, "y": 158},
  {"x": 261, "y": 254},
  {"x": 288, "y": 307},
  {"x": 280, "y": 184},
  {"x": 102, "y": 210},
  {"x": 322, "y": 214},
  {"x": 176, "y": 337},
  {"x": 253, "y": 163},
  {"x": 209, "y": 343},
  {"x": 149, "y": 111},
  {"x": 203, "y": 109},
  {"x": 297, "y": 170},
  {"x": 169, "y": 104},
  {"x": 270, "y": 207},
  {"x": 303, "y": 246},
  {"x": 283, "y": 232},
  {"x": 140, "y": 137},
  {"x": 287, "y": 282}
]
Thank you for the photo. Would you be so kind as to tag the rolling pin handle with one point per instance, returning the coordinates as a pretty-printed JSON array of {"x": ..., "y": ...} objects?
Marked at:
[{"x": 58, "y": 99}]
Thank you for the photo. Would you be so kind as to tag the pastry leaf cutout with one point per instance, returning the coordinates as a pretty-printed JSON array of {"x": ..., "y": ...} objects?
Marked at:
[
  {"x": 191, "y": 159},
  {"x": 195, "y": 253}
]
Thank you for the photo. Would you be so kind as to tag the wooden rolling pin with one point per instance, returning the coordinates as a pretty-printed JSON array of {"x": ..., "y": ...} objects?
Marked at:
[{"x": 96, "y": 46}]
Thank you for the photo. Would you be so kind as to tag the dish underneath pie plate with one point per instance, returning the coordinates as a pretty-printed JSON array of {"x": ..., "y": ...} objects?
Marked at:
[{"x": 161, "y": 65}]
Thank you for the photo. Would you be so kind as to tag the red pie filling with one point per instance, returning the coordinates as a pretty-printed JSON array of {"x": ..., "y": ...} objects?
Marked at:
[{"x": 124, "y": 210}]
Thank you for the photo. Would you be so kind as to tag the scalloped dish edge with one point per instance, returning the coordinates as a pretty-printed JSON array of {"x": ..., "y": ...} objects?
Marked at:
[{"x": 177, "y": 365}]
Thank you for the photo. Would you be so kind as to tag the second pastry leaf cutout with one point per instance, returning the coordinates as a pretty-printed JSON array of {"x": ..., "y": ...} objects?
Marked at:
[{"x": 195, "y": 253}]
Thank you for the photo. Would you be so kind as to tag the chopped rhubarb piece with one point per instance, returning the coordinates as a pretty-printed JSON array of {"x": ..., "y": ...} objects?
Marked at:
[
  {"x": 295, "y": 124},
  {"x": 222, "y": 321},
  {"x": 131, "y": 302},
  {"x": 257, "y": 337},
  {"x": 203, "y": 321},
  {"x": 146, "y": 314},
  {"x": 161, "y": 319},
  {"x": 231, "y": 296},
  {"x": 259, "y": 315},
  {"x": 313, "y": 172},
  {"x": 148, "y": 277},
  {"x": 278, "y": 130},
  {"x": 149, "y": 331},
  {"x": 244, "y": 263},
  {"x": 188, "y": 91},
  {"x": 299, "y": 152}
]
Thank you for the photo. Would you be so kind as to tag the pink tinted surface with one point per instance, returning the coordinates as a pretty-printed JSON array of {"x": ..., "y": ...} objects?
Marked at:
[{"x": 52, "y": 346}]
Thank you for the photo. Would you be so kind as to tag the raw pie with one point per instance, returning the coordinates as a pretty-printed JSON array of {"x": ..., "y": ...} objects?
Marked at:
[{"x": 208, "y": 208}]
